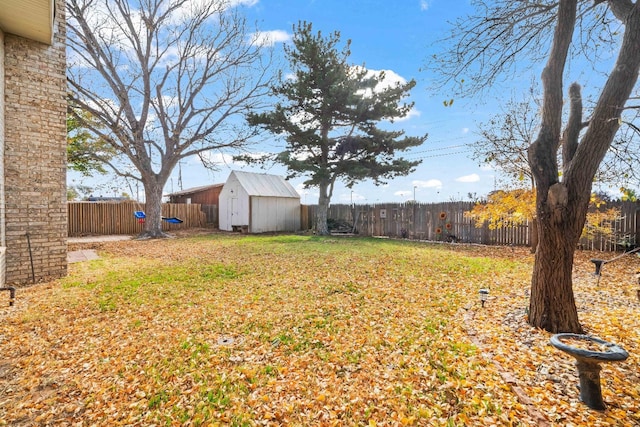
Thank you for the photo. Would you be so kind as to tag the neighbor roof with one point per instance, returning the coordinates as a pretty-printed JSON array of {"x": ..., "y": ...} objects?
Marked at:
[
  {"x": 194, "y": 190},
  {"x": 262, "y": 184},
  {"x": 31, "y": 19}
]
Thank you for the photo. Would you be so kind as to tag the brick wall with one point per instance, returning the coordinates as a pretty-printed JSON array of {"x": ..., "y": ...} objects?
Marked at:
[
  {"x": 35, "y": 156},
  {"x": 2, "y": 202},
  {"x": 2, "y": 223}
]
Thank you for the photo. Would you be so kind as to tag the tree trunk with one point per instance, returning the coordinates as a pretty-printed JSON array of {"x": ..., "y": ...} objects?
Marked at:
[
  {"x": 561, "y": 208},
  {"x": 323, "y": 209},
  {"x": 533, "y": 235},
  {"x": 153, "y": 211},
  {"x": 552, "y": 306}
]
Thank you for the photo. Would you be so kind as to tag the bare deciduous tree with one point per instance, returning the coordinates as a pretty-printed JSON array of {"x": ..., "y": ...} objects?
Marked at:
[
  {"x": 503, "y": 142},
  {"x": 506, "y": 136},
  {"x": 504, "y": 34},
  {"x": 163, "y": 80}
]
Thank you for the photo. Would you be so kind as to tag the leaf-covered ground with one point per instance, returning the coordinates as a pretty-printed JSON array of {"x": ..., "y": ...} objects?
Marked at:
[{"x": 299, "y": 330}]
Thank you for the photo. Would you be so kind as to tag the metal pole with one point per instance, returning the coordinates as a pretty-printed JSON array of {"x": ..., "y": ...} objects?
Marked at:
[{"x": 33, "y": 274}]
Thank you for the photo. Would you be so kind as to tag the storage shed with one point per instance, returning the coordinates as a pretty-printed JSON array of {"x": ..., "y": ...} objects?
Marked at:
[
  {"x": 204, "y": 195},
  {"x": 258, "y": 203}
]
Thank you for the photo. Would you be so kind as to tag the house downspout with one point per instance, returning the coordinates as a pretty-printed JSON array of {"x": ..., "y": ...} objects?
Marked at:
[
  {"x": 3, "y": 224},
  {"x": 250, "y": 226}
]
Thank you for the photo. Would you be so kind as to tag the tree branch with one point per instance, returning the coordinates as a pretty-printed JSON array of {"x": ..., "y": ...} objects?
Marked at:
[
  {"x": 620, "y": 8},
  {"x": 542, "y": 153},
  {"x": 605, "y": 120},
  {"x": 574, "y": 125},
  {"x": 165, "y": 79}
]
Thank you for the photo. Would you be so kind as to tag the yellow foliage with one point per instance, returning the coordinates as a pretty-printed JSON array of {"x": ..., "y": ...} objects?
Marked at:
[
  {"x": 504, "y": 209},
  {"x": 600, "y": 223},
  {"x": 517, "y": 207}
]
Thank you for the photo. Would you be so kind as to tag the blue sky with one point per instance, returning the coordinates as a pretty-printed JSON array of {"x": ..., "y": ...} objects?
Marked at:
[{"x": 392, "y": 36}]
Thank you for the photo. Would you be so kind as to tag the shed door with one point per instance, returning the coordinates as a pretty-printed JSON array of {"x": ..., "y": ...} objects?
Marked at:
[{"x": 235, "y": 215}]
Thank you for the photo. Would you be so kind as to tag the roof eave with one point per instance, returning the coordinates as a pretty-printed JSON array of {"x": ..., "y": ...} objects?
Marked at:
[{"x": 30, "y": 19}]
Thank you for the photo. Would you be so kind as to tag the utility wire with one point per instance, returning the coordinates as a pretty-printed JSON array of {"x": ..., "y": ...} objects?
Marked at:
[
  {"x": 428, "y": 150},
  {"x": 437, "y": 155}
]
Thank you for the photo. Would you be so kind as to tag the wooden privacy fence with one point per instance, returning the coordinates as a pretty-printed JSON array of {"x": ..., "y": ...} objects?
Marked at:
[
  {"x": 625, "y": 230},
  {"x": 434, "y": 221},
  {"x": 211, "y": 214},
  {"x": 105, "y": 218},
  {"x": 447, "y": 222}
]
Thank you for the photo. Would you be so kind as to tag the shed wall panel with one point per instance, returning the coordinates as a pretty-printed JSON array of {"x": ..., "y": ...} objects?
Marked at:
[{"x": 270, "y": 214}]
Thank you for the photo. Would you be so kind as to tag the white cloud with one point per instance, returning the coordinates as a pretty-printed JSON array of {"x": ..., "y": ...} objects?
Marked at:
[
  {"x": 347, "y": 197},
  {"x": 75, "y": 61},
  {"x": 168, "y": 101},
  {"x": 391, "y": 79},
  {"x": 269, "y": 38},
  {"x": 305, "y": 120},
  {"x": 302, "y": 155},
  {"x": 192, "y": 8},
  {"x": 474, "y": 177},
  {"x": 104, "y": 104},
  {"x": 465, "y": 131},
  {"x": 111, "y": 27},
  {"x": 414, "y": 112},
  {"x": 432, "y": 183},
  {"x": 424, "y": 5},
  {"x": 247, "y": 3},
  {"x": 218, "y": 158},
  {"x": 307, "y": 195},
  {"x": 402, "y": 193}
]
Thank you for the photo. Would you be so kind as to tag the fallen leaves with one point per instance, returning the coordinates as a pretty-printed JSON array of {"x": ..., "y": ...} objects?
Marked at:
[
  {"x": 293, "y": 330},
  {"x": 548, "y": 376}
]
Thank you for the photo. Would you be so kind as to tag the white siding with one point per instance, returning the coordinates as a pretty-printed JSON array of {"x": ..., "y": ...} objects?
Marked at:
[
  {"x": 233, "y": 205},
  {"x": 274, "y": 214},
  {"x": 261, "y": 203},
  {"x": 224, "y": 219}
]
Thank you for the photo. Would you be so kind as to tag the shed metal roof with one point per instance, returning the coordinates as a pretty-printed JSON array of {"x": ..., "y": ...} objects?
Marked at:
[{"x": 262, "y": 184}]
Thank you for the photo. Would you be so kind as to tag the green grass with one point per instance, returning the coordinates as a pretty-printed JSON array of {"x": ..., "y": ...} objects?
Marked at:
[{"x": 368, "y": 327}]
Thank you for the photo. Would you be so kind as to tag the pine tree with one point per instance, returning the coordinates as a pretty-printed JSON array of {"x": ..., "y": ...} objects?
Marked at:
[{"x": 330, "y": 116}]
